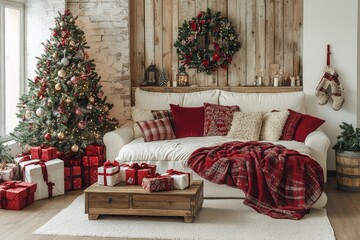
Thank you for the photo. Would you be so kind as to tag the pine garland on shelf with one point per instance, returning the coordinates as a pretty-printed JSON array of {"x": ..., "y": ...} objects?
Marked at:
[{"x": 220, "y": 42}]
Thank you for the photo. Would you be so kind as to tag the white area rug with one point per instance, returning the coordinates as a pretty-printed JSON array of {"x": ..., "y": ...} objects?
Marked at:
[{"x": 218, "y": 219}]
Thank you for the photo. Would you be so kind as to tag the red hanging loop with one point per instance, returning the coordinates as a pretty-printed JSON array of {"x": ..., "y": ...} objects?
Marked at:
[{"x": 328, "y": 55}]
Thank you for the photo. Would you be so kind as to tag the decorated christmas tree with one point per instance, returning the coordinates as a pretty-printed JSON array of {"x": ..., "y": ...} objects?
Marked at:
[{"x": 65, "y": 106}]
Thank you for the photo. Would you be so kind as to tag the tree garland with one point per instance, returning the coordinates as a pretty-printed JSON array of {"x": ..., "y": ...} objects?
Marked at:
[{"x": 213, "y": 27}]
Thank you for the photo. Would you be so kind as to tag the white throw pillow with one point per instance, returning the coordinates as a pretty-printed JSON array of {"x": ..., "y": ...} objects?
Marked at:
[
  {"x": 157, "y": 100},
  {"x": 273, "y": 125},
  {"x": 246, "y": 126},
  {"x": 140, "y": 115},
  {"x": 197, "y": 99}
]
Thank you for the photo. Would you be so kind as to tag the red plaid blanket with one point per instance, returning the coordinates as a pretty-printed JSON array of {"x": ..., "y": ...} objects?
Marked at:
[{"x": 277, "y": 181}]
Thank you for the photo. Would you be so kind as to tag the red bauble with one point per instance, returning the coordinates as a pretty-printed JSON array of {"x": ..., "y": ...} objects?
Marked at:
[
  {"x": 47, "y": 136},
  {"x": 100, "y": 94},
  {"x": 78, "y": 111},
  {"x": 76, "y": 94},
  {"x": 63, "y": 42},
  {"x": 100, "y": 119},
  {"x": 54, "y": 34},
  {"x": 36, "y": 79},
  {"x": 82, "y": 124}
]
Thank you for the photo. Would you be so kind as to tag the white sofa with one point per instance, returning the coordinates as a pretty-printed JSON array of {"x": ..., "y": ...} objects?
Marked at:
[{"x": 121, "y": 145}]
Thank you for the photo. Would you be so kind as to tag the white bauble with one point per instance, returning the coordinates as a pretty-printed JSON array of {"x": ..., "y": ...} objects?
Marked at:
[
  {"x": 75, "y": 148},
  {"x": 61, "y": 73},
  {"x": 28, "y": 114},
  {"x": 39, "y": 112},
  {"x": 65, "y": 61},
  {"x": 58, "y": 86}
]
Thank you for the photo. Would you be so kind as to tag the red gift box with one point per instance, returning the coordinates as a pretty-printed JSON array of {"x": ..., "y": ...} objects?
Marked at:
[
  {"x": 90, "y": 175},
  {"x": 135, "y": 173},
  {"x": 157, "y": 183},
  {"x": 72, "y": 162},
  {"x": 95, "y": 150},
  {"x": 92, "y": 161},
  {"x": 16, "y": 195},
  {"x": 73, "y": 179},
  {"x": 48, "y": 153},
  {"x": 36, "y": 152}
]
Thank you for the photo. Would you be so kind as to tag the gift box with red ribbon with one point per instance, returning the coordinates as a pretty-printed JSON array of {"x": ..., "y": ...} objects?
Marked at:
[
  {"x": 157, "y": 183},
  {"x": 90, "y": 175},
  {"x": 92, "y": 161},
  {"x": 109, "y": 174},
  {"x": 73, "y": 178},
  {"x": 43, "y": 153},
  {"x": 16, "y": 195},
  {"x": 123, "y": 168},
  {"x": 49, "y": 176},
  {"x": 35, "y": 152},
  {"x": 72, "y": 162},
  {"x": 7, "y": 171},
  {"x": 182, "y": 180},
  {"x": 95, "y": 150},
  {"x": 136, "y": 172}
]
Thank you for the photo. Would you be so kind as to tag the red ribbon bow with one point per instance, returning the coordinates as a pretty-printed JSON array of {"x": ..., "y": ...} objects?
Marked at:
[
  {"x": 175, "y": 172},
  {"x": 141, "y": 166},
  {"x": 109, "y": 164}
]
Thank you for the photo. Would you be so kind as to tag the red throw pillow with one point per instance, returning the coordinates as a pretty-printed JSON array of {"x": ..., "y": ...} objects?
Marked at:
[
  {"x": 290, "y": 126},
  {"x": 188, "y": 121},
  {"x": 218, "y": 118},
  {"x": 158, "y": 129},
  {"x": 306, "y": 125}
]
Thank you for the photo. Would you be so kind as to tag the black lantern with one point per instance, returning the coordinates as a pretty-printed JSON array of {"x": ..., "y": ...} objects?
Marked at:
[
  {"x": 182, "y": 77},
  {"x": 151, "y": 75}
]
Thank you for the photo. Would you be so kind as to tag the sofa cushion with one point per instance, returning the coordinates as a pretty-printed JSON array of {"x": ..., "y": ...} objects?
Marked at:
[
  {"x": 290, "y": 126},
  {"x": 273, "y": 125},
  {"x": 158, "y": 114},
  {"x": 197, "y": 99},
  {"x": 218, "y": 119},
  {"x": 246, "y": 126},
  {"x": 306, "y": 125},
  {"x": 156, "y": 100},
  {"x": 158, "y": 129},
  {"x": 140, "y": 115},
  {"x": 264, "y": 102},
  {"x": 188, "y": 121}
]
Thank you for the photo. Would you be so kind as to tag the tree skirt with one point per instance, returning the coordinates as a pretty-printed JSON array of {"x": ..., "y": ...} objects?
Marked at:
[{"x": 218, "y": 219}]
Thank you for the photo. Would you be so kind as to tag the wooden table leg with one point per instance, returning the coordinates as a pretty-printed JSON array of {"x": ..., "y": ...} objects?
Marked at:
[
  {"x": 188, "y": 219},
  {"x": 93, "y": 216}
]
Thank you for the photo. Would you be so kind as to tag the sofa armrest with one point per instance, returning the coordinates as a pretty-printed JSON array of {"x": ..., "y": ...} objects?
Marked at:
[
  {"x": 318, "y": 142},
  {"x": 116, "y": 139}
]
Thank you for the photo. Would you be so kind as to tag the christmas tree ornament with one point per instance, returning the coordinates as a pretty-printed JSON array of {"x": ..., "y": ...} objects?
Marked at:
[
  {"x": 100, "y": 94},
  {"x": 40, "y": 112},
  {"x": 72, "y": 43},
  {"x": 36, "y": 79},
  {"x": 60, "y": 136},
  {"x": 68, "y": 100},
  {"x": 74, "y": 80},
  {"x": 78, "y": 111},
  {"x": 68, "y": 82},
  {"x": 61, "y": 73},
  {"x": 28, "y": 114},
  {"x": 47, "y": 136},
  {"x": 75, "y": 148},
  {"x": 54, "y": 34},
  {"x": 89, "y": 107},
  {"x": 65, "y": 62},
  {"x": 106, "y": 108},
  {"x": 58, "y": 86},
  {"x": 61, "y": 24},
  {"x": 163, "y": 79},
  {"x": 27, "y": 147},
  {"x": 91, "y": 99},
  {"x": 82, "y": 124}
]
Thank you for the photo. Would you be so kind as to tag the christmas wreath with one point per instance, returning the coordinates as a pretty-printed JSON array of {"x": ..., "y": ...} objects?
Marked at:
[{"x": 207, "y": 42}]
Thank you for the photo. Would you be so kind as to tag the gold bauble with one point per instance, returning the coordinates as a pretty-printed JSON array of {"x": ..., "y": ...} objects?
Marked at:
[
  {"x": 106, "y": 108},
  {"x": 68, "y": 100},
  {"x": 58, "y": 86},
  {"x": 61, "y": 73},
  {"x": 91, "y": 99},
  {"x": 60, "y": 136},
  {"x": 75, "y": 148},
  {"x": 55, "y": 55}
]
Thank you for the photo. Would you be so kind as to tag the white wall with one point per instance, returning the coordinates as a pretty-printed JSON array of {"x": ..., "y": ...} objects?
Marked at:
[{"x": 333, "y": 22}]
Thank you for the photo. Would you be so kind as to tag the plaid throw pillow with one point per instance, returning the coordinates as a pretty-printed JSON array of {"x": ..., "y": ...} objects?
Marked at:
[
  {"x": 158, "y": 129},
  {"x": 158, "y": 114}
]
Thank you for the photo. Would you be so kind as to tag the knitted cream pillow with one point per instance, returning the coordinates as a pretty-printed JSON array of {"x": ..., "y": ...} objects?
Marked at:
[
  {"x": 138, "y": 114},
  {"x": 246, "y": 126},
  {"x": 273, "y": 125}
]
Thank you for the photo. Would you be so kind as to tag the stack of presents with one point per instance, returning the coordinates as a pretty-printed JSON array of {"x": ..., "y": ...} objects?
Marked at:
[{"x": 44, "y": 173}]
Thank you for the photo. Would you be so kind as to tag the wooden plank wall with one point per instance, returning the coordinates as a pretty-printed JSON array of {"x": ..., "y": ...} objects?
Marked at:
[{"x": 270, "y": 32}]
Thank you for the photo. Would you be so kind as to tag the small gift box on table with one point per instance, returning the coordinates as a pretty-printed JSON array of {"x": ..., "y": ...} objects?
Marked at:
[
  {"x": 182, "y": 180},
  {"x": 16, "y": 195},
  {"x": 72, "y": 179},
  {"x": 7, "y": 171},
  {"x": 90, "y": 166},
  {"x": 157, "y": 183},
  {"x": 123, "y": 168},
  {"x": 43, "y": 153},
  {"x": 135, "y": 173},
  {"x": 48, "y": 175},
  {"x": 109, "y": 174}
]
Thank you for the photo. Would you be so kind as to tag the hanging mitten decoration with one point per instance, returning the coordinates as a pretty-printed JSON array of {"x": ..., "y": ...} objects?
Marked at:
[
  {"x": 330, "y": 79},
  {"x": 163, "y": 80}
]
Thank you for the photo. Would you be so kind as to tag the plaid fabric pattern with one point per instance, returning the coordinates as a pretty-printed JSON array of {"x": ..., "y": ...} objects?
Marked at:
[
  {"x": 158, "y": 114},
  {"x": 277, "y": 181},
  {"x": 158, "y": 129}
]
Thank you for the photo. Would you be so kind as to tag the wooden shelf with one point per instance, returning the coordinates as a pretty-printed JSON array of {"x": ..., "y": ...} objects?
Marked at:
[{"x": 243, "y": 89}]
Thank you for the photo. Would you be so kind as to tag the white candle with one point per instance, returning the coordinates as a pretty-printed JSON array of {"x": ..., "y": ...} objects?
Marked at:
[
  {"x": 276, "y": 82},
  {"x": 292, "y": 81},
  {"x": 174, "y": 83}
]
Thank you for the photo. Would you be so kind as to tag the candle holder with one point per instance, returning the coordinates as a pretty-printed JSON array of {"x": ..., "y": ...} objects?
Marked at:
[{"x": 182, "y": 77}]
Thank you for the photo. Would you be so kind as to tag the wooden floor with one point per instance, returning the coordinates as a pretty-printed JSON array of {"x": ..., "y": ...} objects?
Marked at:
[{"x": 343, "y": 211}]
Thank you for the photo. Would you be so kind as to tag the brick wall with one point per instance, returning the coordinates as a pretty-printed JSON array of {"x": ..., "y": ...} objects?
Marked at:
[{"x": 105, "y": 23}]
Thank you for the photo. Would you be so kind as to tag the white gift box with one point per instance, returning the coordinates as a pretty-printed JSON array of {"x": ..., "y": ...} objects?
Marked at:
[
  {"x": 33, "y": 173},
  {"x": 111, "y": 174},
  {"x": 182, "y": 181},
  {"x": 123, "y": 173}
]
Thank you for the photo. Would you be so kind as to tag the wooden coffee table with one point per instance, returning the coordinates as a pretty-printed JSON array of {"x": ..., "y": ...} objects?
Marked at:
[{"x": 133, "y": 200}]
